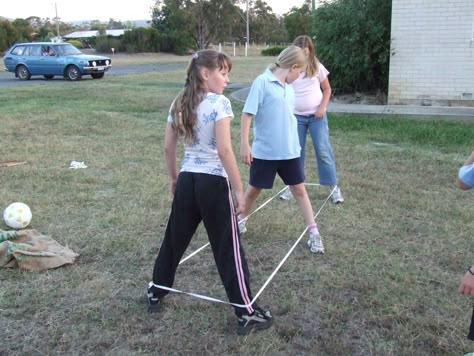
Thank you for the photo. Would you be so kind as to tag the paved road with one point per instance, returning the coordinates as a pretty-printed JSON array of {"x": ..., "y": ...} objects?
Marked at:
[{"x": 8, "y": 79}]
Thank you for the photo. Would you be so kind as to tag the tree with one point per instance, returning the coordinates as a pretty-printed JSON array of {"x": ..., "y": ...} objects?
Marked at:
[
  {"x": 171, "y": 19},
  {"x": 7, "y": 35},
  {"x": 298, "y": 21},
  {"x": 115, "y": 25},
  {"x": 195, "y": 23},
  {"x": 353, "y": 40},
  {"x": 96, "y": 25},
  {"x": 23, "y": 29},
  {"x": 264, "y": 24}
]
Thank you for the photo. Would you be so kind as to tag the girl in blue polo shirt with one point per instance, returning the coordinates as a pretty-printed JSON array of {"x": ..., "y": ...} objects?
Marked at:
[
  {"x": 466, "y": 174},
  {"x": 276, "y": 148}
]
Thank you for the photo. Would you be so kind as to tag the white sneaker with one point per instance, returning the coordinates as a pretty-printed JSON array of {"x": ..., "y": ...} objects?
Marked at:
[
  {"x": 242, "y": 226},
  {"x": 336, "y": 196},
  {"x": 286, "y": 195},
  {"x": 315, "y": 243}
]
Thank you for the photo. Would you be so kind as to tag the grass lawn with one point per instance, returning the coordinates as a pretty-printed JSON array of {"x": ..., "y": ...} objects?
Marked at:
[{"x": 387, "y": 285}]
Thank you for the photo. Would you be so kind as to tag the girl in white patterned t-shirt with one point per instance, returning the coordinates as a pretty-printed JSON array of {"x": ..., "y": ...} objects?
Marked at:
[{"x": 202, "y": 192}]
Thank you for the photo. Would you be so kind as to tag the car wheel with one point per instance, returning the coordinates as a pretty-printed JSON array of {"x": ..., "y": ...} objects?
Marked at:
[
  {"x": 48, "y": 76},
  {"x": 73, "y": 73},
  {"x": 23, "y": 73},
  {"x": 97, "y": 75}
]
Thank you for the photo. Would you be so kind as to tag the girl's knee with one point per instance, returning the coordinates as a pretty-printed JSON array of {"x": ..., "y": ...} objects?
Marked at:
[
  {"x": 298, "y": 190},
  {"x": 253, "y": 192}
]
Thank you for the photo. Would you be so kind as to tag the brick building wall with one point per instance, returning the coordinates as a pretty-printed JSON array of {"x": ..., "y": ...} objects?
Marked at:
[{"x": 432, "y": 61}]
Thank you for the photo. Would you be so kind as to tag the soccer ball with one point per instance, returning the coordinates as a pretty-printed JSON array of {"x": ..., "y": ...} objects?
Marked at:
[{"x": 17, "y": 215}]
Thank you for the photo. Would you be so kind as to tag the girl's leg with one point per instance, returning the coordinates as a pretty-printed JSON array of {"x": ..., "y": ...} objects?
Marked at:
[
  {"x": 319, "y": 132},
  {"x": 302, "y": 199},
  {"x": 217, "y": 210},
  {"x": 182, "y": 224},
  {"x": 303, "y": 126},
  {"x": 251, "y": 195},
  {"x": 220, "y": 221},
  {"x": 315, "y": 242}
]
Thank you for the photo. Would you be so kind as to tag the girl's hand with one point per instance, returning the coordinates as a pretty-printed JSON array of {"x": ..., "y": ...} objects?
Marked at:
[
  {"x": 246, "y": 154},
  {"x": 239, "y": 202},
  {"x": 467, "y": 284},
  {"x": 320, "y": 113},
  {"x": 173, "y": 186}
]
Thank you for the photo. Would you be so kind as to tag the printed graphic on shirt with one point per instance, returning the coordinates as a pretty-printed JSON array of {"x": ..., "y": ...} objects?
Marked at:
[{"x": 201, "y": 155}]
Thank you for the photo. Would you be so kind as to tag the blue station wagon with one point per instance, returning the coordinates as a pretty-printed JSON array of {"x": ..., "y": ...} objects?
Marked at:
[{"x": 53, "y": 59}]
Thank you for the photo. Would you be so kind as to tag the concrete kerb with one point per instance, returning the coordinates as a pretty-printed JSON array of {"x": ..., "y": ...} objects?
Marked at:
[{"x": 241, "y": 90}]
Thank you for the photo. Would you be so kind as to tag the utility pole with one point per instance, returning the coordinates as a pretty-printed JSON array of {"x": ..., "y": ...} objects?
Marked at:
[
  {"x": 57, "y": 20},
  {"x": 248, "y": 32}
]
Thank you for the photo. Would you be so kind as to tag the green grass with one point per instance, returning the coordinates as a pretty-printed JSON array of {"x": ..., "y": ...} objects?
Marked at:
[
  {"x": 396, "y": 249},
  {"x": 443, "y": 134}
]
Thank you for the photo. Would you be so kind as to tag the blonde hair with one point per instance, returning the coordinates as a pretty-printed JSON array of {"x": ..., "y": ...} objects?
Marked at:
[
  {"x": 289, "y": 57},
  {"x": 313, "y": 62},
  {"x": 184, "y": 107}
]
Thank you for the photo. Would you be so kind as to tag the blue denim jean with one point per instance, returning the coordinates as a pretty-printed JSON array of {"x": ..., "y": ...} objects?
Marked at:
[{"x": 319, "y": 131}]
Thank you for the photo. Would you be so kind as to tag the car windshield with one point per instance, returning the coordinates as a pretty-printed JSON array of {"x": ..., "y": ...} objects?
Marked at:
[{"x": 67, "y": 49}]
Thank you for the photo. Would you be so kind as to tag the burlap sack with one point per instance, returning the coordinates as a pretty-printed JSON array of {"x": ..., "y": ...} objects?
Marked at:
[{"x": 32, "y": 251}]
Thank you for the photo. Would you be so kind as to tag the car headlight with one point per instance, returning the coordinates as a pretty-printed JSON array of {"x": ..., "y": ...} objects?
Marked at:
[
  {"x": 107, "y": 62},
  {"x": 94, "y": 63}
]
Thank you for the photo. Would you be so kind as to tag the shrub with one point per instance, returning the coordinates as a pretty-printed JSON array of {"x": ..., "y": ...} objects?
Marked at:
[
  {"x": 104, "y": 44},
  {"x": 353, "y": 42},
  {"x": 75, "y": 43},
  {"x": 273, "y": 51},
  {"x": 141, "y": 40}
]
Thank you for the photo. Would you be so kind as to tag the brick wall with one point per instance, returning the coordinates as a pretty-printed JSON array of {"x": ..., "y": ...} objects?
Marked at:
[{"x": 432, "y": 61}]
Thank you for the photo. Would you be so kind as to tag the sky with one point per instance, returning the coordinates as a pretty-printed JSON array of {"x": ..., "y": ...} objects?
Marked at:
[{"x": 104, "y": 10}]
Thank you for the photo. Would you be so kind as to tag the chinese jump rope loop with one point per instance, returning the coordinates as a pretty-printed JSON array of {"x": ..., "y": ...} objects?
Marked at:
[{"x": 272, "y": 275}]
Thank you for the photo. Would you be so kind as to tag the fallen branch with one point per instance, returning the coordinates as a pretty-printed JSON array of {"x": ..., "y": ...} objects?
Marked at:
[{"x": 11, "y": 163}]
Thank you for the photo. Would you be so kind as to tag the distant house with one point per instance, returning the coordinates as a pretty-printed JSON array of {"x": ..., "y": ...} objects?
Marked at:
[
  {"x": 80, "y": 35},
  {"x": 432, "y": 60}
]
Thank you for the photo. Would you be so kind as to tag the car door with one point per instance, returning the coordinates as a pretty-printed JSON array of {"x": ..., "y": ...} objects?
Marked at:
[
  {"x": 33, "y": 59},
  {"x": 43, "y": 60},
  {"x": 52, "y": 62}
]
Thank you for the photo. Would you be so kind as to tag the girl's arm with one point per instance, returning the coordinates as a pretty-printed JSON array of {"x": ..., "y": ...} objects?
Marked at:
[
  {"x": 326, "y": 89},
  {"x": 170, "y": 156},
  {"x": 245, "y": 150},
  {"x": 227, "y": 157},
  {"x": 469, "y": 160}
]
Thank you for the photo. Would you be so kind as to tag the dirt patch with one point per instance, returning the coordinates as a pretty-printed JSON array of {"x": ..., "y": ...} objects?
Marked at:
[{"x": 360, "y": 98}]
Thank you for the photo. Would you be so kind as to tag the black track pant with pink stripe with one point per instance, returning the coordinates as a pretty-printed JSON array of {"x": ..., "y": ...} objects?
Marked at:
[{"x": 205, "y": 197}]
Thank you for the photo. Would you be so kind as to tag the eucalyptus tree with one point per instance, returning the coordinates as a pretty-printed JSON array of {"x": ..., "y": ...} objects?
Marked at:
[
  {"x": 194, "y": 23},
  {"x": 298, "y": 20}
]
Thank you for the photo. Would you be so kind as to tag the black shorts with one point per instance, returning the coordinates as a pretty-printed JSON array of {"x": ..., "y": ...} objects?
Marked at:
[{"x": 262, "y": 172}]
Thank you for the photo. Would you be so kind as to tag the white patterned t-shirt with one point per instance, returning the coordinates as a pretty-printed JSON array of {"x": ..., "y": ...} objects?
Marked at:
[{"x": 201, "y": 156}]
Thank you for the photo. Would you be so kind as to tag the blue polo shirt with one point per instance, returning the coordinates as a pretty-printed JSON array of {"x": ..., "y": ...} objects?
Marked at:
[
  {"x": 466, "y": 174},
  {"x": 275, "y": 129}
]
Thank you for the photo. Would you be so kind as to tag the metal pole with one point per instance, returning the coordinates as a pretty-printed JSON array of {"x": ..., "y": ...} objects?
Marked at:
[
  {"x": 248, "y": 32},
  {"x": 57, "y": 21}
]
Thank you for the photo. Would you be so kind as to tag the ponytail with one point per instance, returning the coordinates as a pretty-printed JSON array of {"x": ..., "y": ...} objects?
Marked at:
[{"x": 184, "y": 107}]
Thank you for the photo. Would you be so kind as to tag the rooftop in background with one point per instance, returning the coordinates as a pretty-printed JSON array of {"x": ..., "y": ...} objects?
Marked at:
[{"x": 89, "y": 34}]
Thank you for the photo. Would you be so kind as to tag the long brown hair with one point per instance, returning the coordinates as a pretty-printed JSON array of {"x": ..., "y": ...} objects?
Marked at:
[
  {"x": 183, "y": 109},
  {"x": 304, "y": 41}
]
